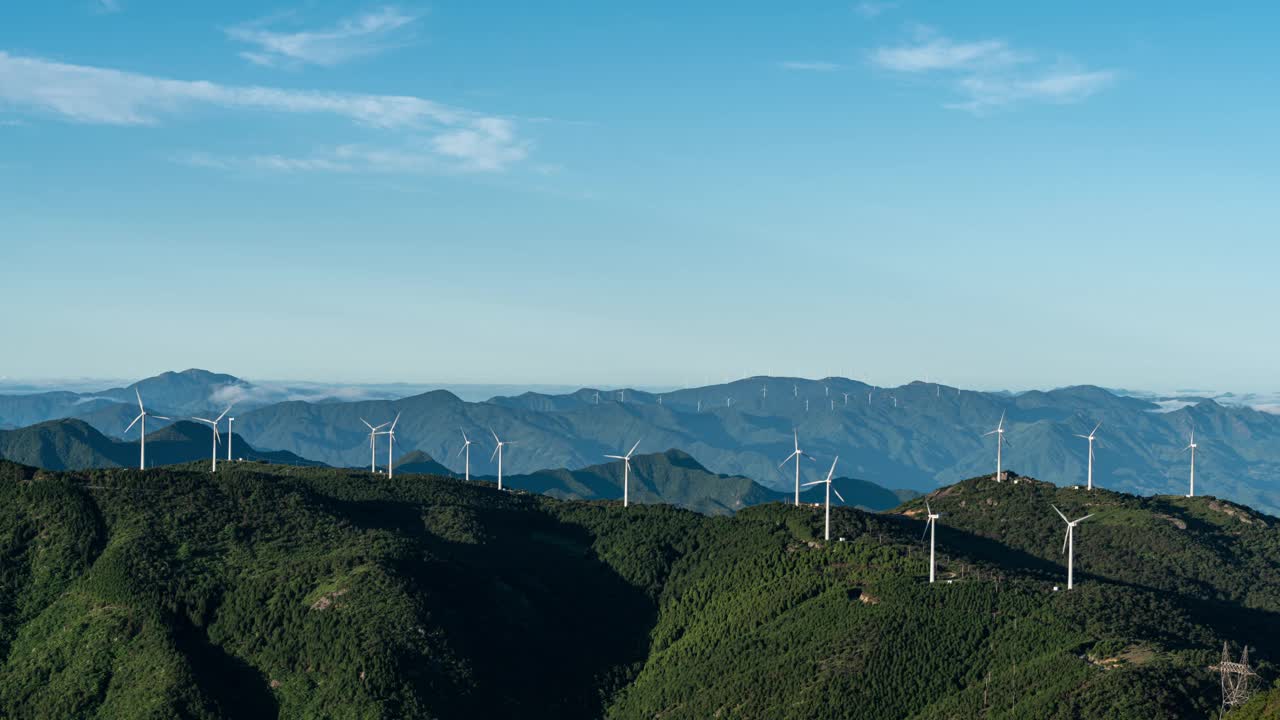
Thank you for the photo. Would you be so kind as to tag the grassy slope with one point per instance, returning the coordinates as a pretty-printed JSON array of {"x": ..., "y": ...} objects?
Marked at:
[{"x": 268, "y": 591}]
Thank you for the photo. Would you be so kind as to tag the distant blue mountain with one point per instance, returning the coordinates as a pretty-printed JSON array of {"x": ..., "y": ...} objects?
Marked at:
[{"x": 914, "y": 436}]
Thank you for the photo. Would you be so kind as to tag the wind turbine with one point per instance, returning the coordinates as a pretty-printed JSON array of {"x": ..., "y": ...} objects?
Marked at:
[
  {"x": 1069, "y": 543},
  {"x": 1192, "y": 447},
  {"x": 827, "y": 482},
  {"x": 497, "y": 452},
  {"x": 626, "y": 472},
  {"x": 466, "y": 445},
  {"x": 373, "y": 433},
  {"x": 391, "y": 442},
  {"x": 216, "y": 435},
  {"x": 1092, "y": 434},
  {"x": 1000, "y": 443},
  {"x": 797, "y": 454},
  {"x": 142, "y": 415},
  {"x": 931, "y": 527}
]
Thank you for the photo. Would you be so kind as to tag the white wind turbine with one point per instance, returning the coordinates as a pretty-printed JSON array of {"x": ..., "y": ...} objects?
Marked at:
[
  {"x": 497, "y": 452},
  {"x": 1069, "y": 543},
  {"x": 797, "y": 454},
  {"x": 1090, "y": 437},
  {"x": 1192, "y": 447},
  {"x": 142, "y": 415},
  {"x": 626, "y": 472},
  {"x": 931, "y": 527},
  {"x": 216, "y": 434},
  {"x": 466, "y": 445},
  {"x": 391, "y": 442},
  {"x": 373, "y": 434},
  {"x": 1000, "y": 443},
  {"x": 827, "y": 482}
]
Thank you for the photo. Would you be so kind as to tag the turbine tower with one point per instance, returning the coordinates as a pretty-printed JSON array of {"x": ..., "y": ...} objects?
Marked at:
[
  {"x": 466, "y": 445},
  {"x": 931, "y": 527},
  {"x": 797, "y": 454},
  {"x": 373, "y": 433},
  {"x": 827, "y": 482},
  {"x": 216, "y": 435},
  {"x": 1069, "y": 543},
  {"x": 626, "y": 471},
  {"x": 1090, "y": 437},
  {"x": 142, "y": 415},
  {"x": 1000, "y": 443},
  {"x": 391, "y": 442},
  {"x": 1192, "y": 447},
  {"x": 497, "y": 452}
]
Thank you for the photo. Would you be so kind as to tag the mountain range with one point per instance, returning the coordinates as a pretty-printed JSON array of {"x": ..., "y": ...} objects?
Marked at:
[
  {"x": 269, "y": 591},
  {"x": 915, "y": 436},
  {"x": 77, "y": 445}
]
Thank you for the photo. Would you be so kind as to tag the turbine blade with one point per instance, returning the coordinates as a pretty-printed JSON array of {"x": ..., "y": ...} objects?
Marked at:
[{"x": 135, "y": 420}]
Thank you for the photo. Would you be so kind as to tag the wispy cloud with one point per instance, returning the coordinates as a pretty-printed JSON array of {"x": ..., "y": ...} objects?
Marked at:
[
  {"x": 111, "y": 97},
  {"x": 440, "y": 153},
  {"x": 809, "y": 65},
  {"x": 990, "y": 74},
  {"x": 351, "y": 38},
  {"x": 871, "y": 10}
]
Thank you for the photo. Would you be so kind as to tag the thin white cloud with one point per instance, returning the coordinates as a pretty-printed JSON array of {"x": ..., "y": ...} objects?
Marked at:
[
  {"x": 809, "y": 65},
  {"x": 442, "y": 153},
  {"x": 990, "y": 74},
  {"x": 939, "y": 53},
  {"x": 872, "y": 10},
  {"x": 1054, "y": 86},
  {"x": 111, "y": 97},
  {"x": 351, "y": 38}
]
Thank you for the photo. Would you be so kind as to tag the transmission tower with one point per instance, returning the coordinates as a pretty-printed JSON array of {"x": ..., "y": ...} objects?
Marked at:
[{"x": 1235, "y": 678}]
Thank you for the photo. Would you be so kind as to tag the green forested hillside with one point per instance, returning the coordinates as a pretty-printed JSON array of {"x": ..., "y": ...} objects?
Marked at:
[{"x": 269, "y": 591}]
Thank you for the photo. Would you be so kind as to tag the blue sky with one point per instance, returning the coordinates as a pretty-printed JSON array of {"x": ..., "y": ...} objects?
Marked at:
[{"x": 1000, "y": 194}]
